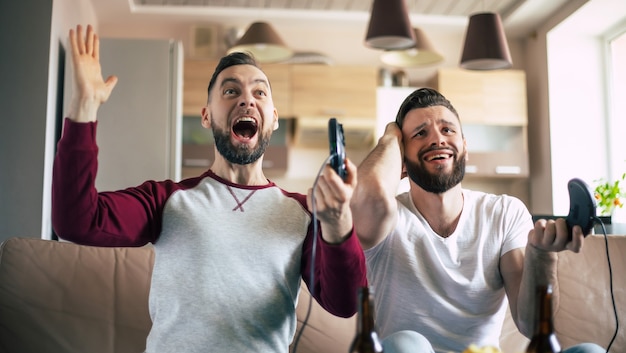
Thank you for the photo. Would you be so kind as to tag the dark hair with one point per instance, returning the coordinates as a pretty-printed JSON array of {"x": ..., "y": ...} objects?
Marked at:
[
  {"x": 423, "y": 98},
  {"x": 232, "y": 59}
]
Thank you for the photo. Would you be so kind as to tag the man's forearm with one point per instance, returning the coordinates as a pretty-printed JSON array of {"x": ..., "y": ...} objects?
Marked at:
[
  {"x": 382, "y": 167},
  {"x": 540, "y": 268}
]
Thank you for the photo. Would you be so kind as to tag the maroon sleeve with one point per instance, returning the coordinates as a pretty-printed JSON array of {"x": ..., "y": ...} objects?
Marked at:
[
  {"x": 339, "y": 271},
  {"x": 129, "y": 217}
]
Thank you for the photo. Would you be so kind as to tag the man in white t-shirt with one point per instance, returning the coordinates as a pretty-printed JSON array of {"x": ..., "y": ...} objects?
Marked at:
[{"x": 444, "y": 261}]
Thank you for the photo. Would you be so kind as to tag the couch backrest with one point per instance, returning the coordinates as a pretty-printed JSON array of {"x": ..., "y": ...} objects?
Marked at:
[
  {"x": 68, "y": 298},
  {"x": 61, "y": 297},
  {"x": 585, "y": 312}
]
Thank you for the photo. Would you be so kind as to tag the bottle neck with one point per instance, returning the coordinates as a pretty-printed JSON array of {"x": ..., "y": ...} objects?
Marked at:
[
  {"x": 544, "y": 323},
  {"x": 365, "y": 322}
]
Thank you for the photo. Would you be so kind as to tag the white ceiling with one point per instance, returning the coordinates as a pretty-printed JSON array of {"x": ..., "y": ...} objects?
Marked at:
[
  {"x": 333, "y": 28},
  {"x": 520, "y": 17},
  {"x": 422, "y": 7}
]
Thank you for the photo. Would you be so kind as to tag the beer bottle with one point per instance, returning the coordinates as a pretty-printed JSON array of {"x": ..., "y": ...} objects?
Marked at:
[
  {"x": 544, "y": 339},
  {"x": 366, "y": 339}
]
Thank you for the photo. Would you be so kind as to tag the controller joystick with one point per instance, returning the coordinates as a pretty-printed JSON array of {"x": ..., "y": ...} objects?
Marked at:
[{"x": 582, "y": 209}]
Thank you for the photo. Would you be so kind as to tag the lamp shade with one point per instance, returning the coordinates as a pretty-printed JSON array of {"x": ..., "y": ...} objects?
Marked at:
[
  {"x": 263, "y": 42},
  {"x": 422, "y": 54},
  {"x": 485, "y": 45},
  {"x": 389, "y": 27}
]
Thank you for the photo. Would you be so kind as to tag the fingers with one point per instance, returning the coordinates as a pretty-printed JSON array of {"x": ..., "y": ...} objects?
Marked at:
[
  {"x": 96, "y": 47},
  {"x": 89, "y": 40},
  {"x": 554, "y": 235},
  {"x": 351, "y": 178},
  {"x": 84, "y": 43},
  {"x": 576, "y": 244},
  {"x": 332, "y": 194},
  {"x": 393, "y": 128},
  {"x": 110, "y": 83}
]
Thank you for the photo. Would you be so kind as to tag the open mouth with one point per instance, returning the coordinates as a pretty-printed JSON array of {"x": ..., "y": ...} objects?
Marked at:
[
  {"x": 437, "y": 155},
  {"x": 245, "y": 128}
]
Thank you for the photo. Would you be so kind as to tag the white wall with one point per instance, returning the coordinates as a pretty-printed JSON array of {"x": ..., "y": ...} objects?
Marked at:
[
  {"x": 579, "y": 97},
  {"x": 32, "y": 36},
  {"x": 577, "y": 112},
  {"x": 539, "y": 128}
]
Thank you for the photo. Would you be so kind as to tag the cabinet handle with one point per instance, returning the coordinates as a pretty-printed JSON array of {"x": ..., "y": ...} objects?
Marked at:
[{"x": 508, "y": 169}]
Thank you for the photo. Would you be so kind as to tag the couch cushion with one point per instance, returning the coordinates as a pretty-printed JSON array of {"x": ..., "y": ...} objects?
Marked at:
[
  {"x": 63, "y": 297},
  {"x": 585, "y": 312},
  {"x": 323, "y": 332}
]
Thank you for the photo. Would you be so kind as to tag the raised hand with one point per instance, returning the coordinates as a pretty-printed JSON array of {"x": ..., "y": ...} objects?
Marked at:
[{"x": 90, "y": 90}]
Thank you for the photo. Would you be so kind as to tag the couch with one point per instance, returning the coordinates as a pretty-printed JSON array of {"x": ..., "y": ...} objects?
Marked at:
[{"x": 65, "y": 298}]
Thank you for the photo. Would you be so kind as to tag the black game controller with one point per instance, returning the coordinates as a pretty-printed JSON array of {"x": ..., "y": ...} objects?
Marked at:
[
  {"x": 582, "y": 206},
  {"x": 337, "y": 147}
]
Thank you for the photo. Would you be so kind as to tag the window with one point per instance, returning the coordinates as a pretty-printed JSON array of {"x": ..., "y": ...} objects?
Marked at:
[{"x": 616, "y": 123}]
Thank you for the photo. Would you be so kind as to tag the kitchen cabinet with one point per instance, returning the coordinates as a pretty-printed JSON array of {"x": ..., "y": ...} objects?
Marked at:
[
  {"x": 348, "y": 93},
  {"x": 493, "y": 112},
  {"x": 485, "y": 97},
  {"x": 196, "y": 77},
  {"x": 334, "y": 91}
]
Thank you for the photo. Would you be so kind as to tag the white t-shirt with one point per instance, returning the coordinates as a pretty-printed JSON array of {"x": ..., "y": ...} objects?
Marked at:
[{"x": 448, "y": 289}]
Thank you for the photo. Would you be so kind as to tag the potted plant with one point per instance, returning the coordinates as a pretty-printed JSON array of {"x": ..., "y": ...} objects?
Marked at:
[{"x": 609, "y": 196}]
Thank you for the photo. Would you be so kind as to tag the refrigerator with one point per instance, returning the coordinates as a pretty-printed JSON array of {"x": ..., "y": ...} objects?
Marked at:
[{"x": 139, "y": 129}]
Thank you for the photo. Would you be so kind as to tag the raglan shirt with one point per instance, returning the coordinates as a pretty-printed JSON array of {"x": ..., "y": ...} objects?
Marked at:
[
  {"x": 448, "y": 289},
  {"x": 228, "y": 257}
]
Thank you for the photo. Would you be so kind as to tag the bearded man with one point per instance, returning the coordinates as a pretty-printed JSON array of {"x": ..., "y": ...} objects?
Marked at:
[
  {"x": 444, "y": 261},
  {"x": 231, "y": 247}
]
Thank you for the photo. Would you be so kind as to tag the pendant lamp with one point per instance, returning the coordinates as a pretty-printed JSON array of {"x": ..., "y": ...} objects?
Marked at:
[
  {"x": 389, "y": 27},
  {"x": 263, "y": 42},
  {"x": 423, "y": 53},
  {"x": 485, "y": 45}
]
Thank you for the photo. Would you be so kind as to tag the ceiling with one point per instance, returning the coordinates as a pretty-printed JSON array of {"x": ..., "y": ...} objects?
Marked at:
[
  {"x": 423, "y": 7},
  {"x": 520, "y": 17},
  {"x": 320, "y": 30}
]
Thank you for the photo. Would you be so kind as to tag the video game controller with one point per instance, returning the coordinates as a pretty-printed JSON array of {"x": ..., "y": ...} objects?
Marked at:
[
  {"x": 337, "y": 147},
  {"x": 582, "y": 206}
]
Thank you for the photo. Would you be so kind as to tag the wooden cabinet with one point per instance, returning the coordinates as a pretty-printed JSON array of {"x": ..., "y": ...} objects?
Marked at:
[
  {"x": 198, "y": 74},
  {"x": 348, "y": 93},
  {"x": 334, "y": 91},
  {"x": 485, "y": 97},
  {"x": 493, "y": 111},
  {"x": 280, "y": 81}
]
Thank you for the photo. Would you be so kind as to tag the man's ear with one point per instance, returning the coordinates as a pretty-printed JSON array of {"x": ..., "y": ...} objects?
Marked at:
[
  {"x": 465, "y": 147},
  {"x": 275, "y": 119},
  {"x": 206, "y": 117}
]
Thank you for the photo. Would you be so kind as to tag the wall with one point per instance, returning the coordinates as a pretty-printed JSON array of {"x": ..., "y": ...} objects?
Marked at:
[
  {"x": 32, "y": 33},
  {"x": 539, "y": 128},
  {"x": 23, "y": 98},
  {"x": 567, "y": 101}
]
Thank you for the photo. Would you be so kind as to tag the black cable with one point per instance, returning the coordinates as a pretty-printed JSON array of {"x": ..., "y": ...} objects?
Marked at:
[
  {"x": 608, "y": 259},
  {"x": 313, "y": 254}
]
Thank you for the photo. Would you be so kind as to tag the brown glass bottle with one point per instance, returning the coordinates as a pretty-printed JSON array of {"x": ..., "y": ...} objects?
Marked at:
[
  {"x": 544, "y": 339},
  {"x": 366, "y": 339}
]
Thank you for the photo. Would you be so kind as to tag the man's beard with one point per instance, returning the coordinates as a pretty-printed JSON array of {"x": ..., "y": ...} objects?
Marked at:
[
  {"x": 437, "y": 183},
  {"x": 242, "y": 154}
]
